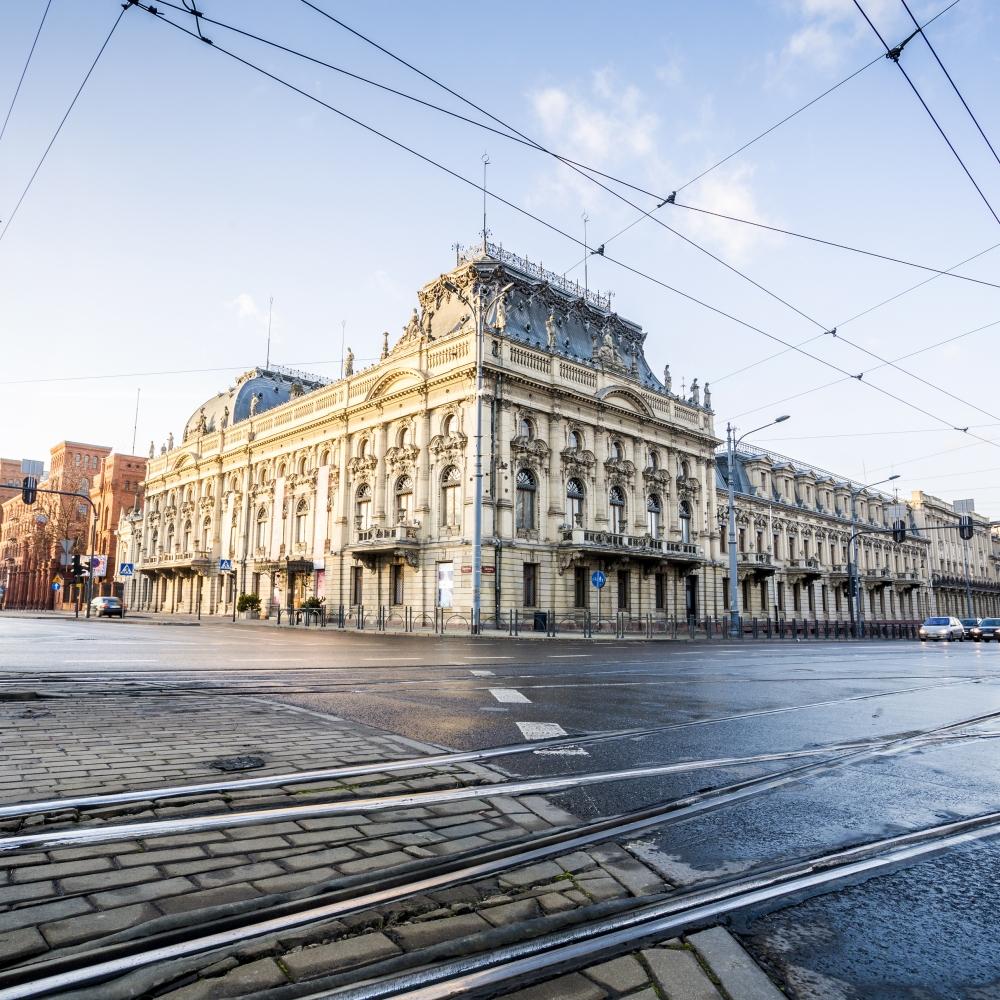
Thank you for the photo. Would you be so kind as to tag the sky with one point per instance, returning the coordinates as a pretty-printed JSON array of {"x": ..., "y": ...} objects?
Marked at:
[{"x": 186, "y": 190}]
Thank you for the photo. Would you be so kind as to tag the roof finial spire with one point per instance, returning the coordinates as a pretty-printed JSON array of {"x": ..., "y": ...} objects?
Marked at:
[{"x": 486, "y": 163}]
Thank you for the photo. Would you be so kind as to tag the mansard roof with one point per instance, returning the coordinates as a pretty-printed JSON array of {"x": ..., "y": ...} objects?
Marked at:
[{"x": 271, "y": 386}]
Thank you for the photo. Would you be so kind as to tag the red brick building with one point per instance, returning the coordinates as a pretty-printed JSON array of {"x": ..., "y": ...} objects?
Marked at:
[
  {"x": 117, "y": 488},
  {"x": 30, "y": 535}
]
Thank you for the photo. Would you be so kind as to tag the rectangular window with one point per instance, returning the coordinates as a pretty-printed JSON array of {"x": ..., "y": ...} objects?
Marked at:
[
  {"x": 791, "y": 548},
  {"x": 760, "y": 541},
  {"x": 781, "y": 595},
  {"x": 796, "y": 597},
  {"x": 530, "y": 585},
  {"x": 725, "y": 593},
  {"x": 581, "y": 587},
  {"x": 661, "y": 591},
  {"x": 746, "y": 596},
  {"x": 775, "y": 540},
  {"x": 357, "y": 585},
  {"x": 743, "y": 539},
  {"x": 623, "y": 590},
  {"x": 763, "y": 598},
  {"x": 836, "y": 599},
  {"x": 396, "y": 582},
  {"x": 723, "y": 536},
  {"x": 811, "y": 593}
]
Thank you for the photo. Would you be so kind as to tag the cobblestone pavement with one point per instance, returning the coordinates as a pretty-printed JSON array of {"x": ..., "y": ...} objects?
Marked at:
[{"x": 64, "y": 901}]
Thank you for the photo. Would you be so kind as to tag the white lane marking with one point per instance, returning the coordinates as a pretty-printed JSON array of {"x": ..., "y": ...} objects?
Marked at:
[
  {"x": 120, "y": 659},
  {"x": 567, "y": 656},
  {"x": 472, "y": 656},
  {"x": 389, "y": 659},
  {"x": 509, "y": 695},
  {"x": 540, "y": 730},
  {"x": 481, "y": 673},
  {"x": 274, "y": 659}
]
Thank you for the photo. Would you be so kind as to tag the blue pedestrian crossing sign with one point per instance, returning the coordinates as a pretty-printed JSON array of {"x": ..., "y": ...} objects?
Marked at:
[
  {"x": 598, "y": 579},
  {"x": 225, "y": 565},
  {"x": 126, "y": 569}
]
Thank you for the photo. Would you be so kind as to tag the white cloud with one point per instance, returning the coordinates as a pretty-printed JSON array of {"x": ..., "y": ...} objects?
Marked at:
[
  {"x": 245, "y": 306},
  {"x": 830, "y": 29}
]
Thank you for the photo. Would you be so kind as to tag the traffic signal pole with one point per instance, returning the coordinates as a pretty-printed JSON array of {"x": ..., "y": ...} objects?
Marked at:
[{"x": 29, "y": 493}]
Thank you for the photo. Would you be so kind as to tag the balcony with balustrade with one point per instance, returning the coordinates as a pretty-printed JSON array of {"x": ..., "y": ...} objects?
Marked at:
[{"x": 643, "y": 547}]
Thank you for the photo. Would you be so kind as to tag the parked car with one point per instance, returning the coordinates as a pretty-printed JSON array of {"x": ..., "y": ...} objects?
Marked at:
[
  {"x": 987, "y": 629},
  {"x": 110, "y": 607},
  {"x": 968, "y": 624},
  {"x": 941, "y": 628}
]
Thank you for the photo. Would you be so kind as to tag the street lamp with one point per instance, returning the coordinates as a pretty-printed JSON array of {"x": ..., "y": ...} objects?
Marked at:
[
  {"x": 734, "y": 592},
  {"x": 857, "y": 605},
  {"x": 479, "y": 310}
]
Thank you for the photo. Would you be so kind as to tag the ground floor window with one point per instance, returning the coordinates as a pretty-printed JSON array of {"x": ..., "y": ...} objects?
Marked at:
[
  {"x": 530, "y": 585},
  {"x": 780, "y": 600},
  {"x": 811, "y": 593},
  {"x": 763, "y": 597},
  {"x": 445, "y": 584},
  {"x": 357, "y": 585},
  {"x": 661, "y": 591},
  {"x": 796, "y": 596},
  {"x": 747, "y": 609},
  {"x": 725, "y": 593},
  {"x": 396, "y": 583},
  {"x": 581, "y": 587},
  {"x": 623, "y": 590}
]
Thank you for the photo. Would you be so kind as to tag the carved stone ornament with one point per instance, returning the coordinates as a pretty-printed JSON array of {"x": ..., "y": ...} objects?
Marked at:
[
  {"x": 450, "y": 449},
  {"x": 410, "y": 556},
  {"x": 620, "y": 469},
  {"x": 302, "y": 479},
  {"x": 402, "y": 459},
  {"x": 362, "y": 468},
  {"x": 578, "y": 461},
  {"x": 657, "y": 480},
  {"x": 533, "y": 453},
  {"x": 206, "y": 504}
]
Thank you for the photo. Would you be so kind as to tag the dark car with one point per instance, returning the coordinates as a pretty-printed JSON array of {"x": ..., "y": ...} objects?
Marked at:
[
  {"x": 987, "y": 629},
  {"x": 110, "y": 607},
  {"x": 968, "y": 624}
]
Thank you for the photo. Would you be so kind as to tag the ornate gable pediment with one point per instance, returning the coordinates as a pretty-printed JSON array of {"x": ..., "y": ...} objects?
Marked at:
[
  {"x": 362, "y": 468},
  {"x": 450, "y": 448},
  {"x": 402, "y": 459},
  {"x": 578, "y": 461},
  {"x": 529, "y": 452}
]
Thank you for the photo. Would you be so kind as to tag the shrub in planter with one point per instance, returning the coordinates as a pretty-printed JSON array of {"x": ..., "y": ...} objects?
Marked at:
[
  {"x": 248, "y": 602},
  {"x": 312, "y": 602}
]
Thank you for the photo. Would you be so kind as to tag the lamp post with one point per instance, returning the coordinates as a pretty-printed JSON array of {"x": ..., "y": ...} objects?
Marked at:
[
  {"x": 479, "y": 311},
  {"x": 857, "y": 605},
  {"x": 732, "y": 442}
]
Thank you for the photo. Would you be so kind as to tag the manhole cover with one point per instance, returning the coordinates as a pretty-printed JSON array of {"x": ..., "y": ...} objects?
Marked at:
[{"x": 244, "y": 763}]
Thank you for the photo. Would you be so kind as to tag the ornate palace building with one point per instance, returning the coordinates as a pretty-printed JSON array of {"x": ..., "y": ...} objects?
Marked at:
[{"x": 361, "y": 492}]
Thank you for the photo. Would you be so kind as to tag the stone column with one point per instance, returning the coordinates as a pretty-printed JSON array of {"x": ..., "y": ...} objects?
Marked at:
[
  {"x": 421, "y": 496},
  {"x": 380, "y": 473}
]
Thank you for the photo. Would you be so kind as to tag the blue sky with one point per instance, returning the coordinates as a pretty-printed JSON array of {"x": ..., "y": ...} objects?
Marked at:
[{"x": 185, "y": 190}]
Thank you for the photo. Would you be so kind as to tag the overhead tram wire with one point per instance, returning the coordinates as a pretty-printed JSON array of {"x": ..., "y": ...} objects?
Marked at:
[
  {"x": 548, "y": 225},
  {"x": 762, "y": 135},
  {"x": 893, "y": 55},
  {"x": 27, "y": 63},
  {"x": 954, "y": 86},
  {"x": 55, "y": 135},
  {"x": 824, "y": 328},
  {"x": 514, "y": 136},
  {"x": 840, "y": 381}
]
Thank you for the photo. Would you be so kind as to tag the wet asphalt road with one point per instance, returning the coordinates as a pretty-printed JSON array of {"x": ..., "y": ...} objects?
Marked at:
[{"x": 932, "y": 930}]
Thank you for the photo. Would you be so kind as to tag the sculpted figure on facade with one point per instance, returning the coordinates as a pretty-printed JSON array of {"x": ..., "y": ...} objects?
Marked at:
[
  {"x": 170, "y": 441},
  {"x": 348, "y": 363},
  {"x": 254, "y": 403},
  {"x": 202, "y": 421},
  {"x": 551, "y": 331},
  {"x": 151, "y": 449},
  {"x": 695, "y": 392},
  {"x": 708, "y": 397},
  {"x": 385, "y": 344},
  {"x": 225, "y": 417},
  {"x": 668, "y": 380}
]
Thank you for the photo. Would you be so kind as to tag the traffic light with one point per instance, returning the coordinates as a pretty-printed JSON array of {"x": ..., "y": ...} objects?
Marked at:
[
  {"x": 29, "y": 489},
  {"x": 898, "y": 531},
  {"x": 77, "y": 569},
  {"x": 965, "y": 527}
]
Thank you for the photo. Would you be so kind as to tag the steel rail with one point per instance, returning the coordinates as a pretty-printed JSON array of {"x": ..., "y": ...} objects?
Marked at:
[
  {"x": 434, "y": 760},
  {"x": 107, "y": 968},
  {"x": 407, "y": 800},
  {"x": 530, "y": 961}
]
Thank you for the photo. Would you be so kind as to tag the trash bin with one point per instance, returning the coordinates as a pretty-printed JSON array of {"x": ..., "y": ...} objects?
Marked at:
[{"x": 541, "y": 621}]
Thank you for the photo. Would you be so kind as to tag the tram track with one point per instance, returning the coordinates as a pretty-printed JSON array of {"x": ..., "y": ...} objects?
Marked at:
[{"x": 38, "y": 979}]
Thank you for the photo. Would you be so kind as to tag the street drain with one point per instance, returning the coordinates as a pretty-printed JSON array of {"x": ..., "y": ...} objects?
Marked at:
[{"x": 244, "y": 763}]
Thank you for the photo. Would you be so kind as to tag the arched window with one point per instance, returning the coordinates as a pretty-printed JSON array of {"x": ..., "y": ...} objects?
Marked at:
[
  {"x": 575, "y": 440},
  {"x": 403, "y": 438},
  {"x": 685, "y": 469},
  {"x": 262, "y": 475},
  {"x": 301, "y": 468},
  {"x": 451, "y": 482},
  {"x": 170, "y": 539},
  {"x": 447, "y": 426},
  {"x": 684, "y": 514},
  {"x": 206, "y": 534},
  {"x": 187, "y": 536},
  {"x": 653, "y": 510},
  {"x": 653, "y": 460},
  {"x": 282, "y": 470},
  {"x": 301, "y": 510},
  {"x": 324, "y": 458},
  {"x": 617, "y": 451},
  {"x": 574, "y": 494},
  {"x": 524, "y": 507},
  {"x": 526, "y": 429},
  {"x": 363, "y": 448},
  {"x": 363, "y": 507},
  {"x": 404, "y": 499},
  {"x": 187, "y": 494},
  {"x": 260, "y": 538},
  {"x": 616, "y": 503},
  {"x": 155, "y": 542}
]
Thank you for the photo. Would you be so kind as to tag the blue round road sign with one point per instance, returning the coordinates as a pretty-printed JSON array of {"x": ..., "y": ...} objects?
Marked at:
[
  {"x": 598, "y": 579},
  {"x": 55, "y": 586}
]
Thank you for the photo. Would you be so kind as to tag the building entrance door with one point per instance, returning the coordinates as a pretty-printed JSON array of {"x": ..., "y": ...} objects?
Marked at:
[{"x": 691, "y": 597}]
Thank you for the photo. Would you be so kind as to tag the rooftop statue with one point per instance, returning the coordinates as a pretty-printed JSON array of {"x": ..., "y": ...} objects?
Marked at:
[
  {"x": 668, "y": 380},
  {"x": 349, "y": 362}
]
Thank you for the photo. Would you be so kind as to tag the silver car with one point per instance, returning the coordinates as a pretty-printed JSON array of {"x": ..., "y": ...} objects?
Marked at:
[{"x": 942, "y": 628}]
